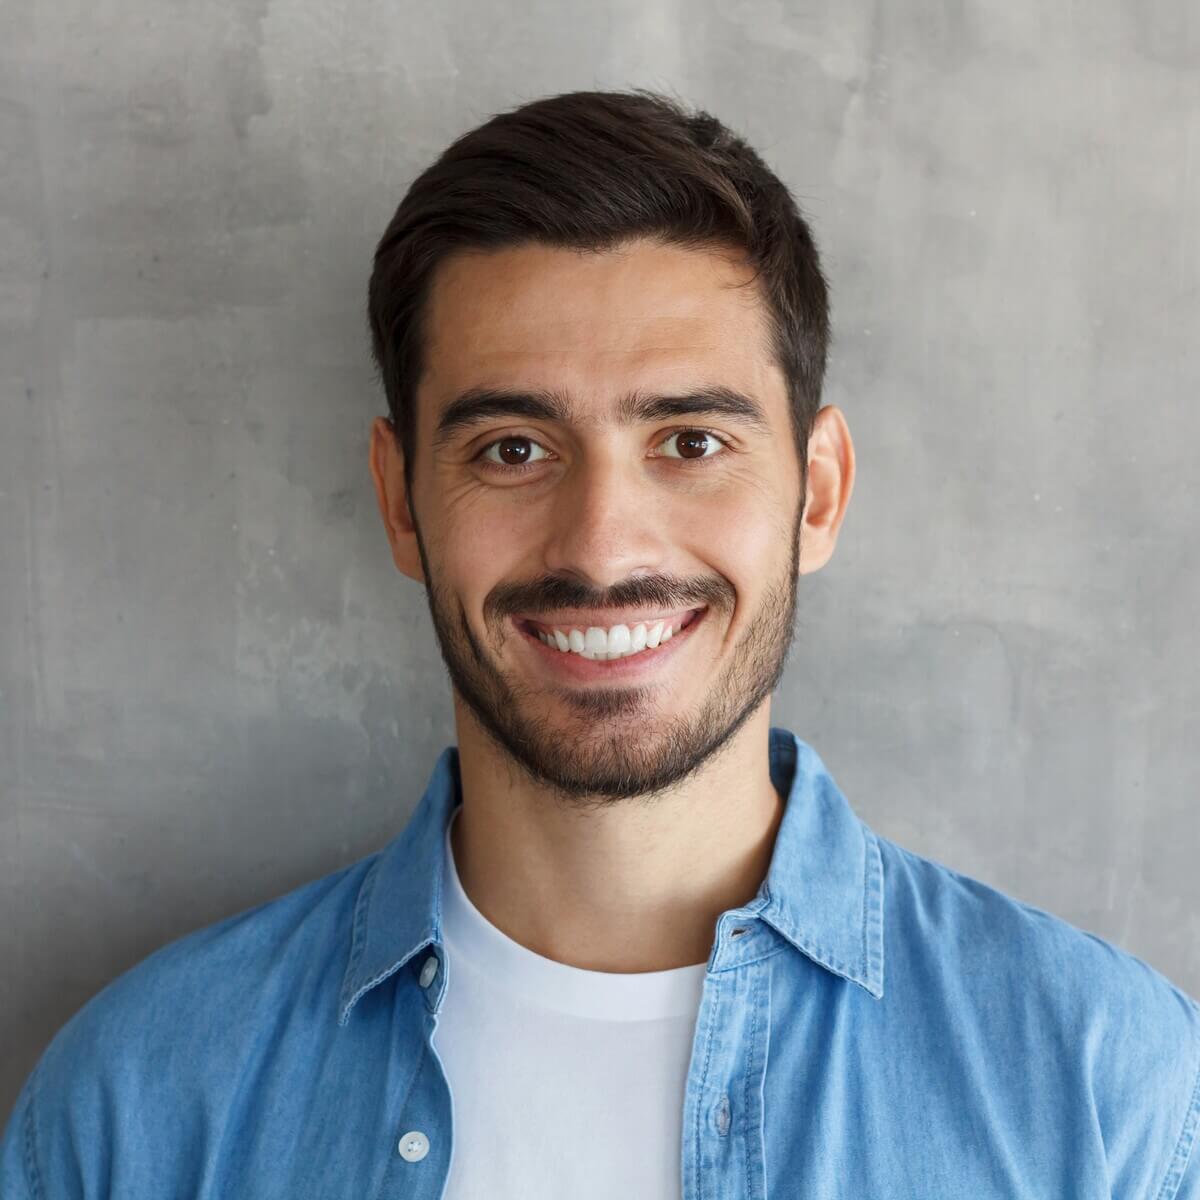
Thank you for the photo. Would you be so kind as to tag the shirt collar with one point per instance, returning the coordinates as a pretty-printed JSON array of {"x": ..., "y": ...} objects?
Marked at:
[
  {"x": 823, "y": 891},
  {"x": 824, "y": 887}
]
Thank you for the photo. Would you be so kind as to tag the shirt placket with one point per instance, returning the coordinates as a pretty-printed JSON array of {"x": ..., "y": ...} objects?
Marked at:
[
  {"x": 421, "y": 1148},
  {"x": 722, "y": 1151}
]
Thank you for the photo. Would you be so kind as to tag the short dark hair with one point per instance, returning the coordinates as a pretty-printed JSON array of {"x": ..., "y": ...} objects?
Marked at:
[{"x": 586, "y": 171}]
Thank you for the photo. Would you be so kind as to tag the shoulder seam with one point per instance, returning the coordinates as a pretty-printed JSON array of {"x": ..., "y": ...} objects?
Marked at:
[
  {"x": 33, "y": 1177},
  {"x": 1187, "y": 1135}
]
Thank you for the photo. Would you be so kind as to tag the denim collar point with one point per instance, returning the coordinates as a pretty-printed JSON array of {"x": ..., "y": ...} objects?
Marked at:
[
  {"x": 399, "y": 907},
  {"x": 823, "y": 890},
  {"x": 825, "y": 881}
]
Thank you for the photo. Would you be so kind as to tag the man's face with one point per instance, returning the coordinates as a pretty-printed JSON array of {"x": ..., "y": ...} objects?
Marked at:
[{"x": 601, "y": 490}]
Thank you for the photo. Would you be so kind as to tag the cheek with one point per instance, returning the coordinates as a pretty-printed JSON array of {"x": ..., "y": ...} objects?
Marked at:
[
  {"x": 481, "y": 545},
  {"x": 747, "y": 540},
  {"x": 747, "y": 528}
]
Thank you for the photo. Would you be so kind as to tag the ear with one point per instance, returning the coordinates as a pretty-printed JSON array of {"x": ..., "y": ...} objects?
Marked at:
[
  {"x": 830, "y": 482},
  {"x": 387, "y": 470}
]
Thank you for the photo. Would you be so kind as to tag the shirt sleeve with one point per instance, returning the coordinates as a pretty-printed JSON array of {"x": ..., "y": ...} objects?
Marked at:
[
  {"x": 16, "y": 1150},
  {"x": 1183, "y": 1174}
]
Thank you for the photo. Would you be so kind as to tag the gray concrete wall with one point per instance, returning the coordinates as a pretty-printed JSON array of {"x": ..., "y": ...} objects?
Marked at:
[{"x": 213, "y": 684}]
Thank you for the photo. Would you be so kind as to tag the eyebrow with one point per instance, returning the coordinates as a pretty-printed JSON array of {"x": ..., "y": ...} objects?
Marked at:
[{"x": 477, "y": 405}]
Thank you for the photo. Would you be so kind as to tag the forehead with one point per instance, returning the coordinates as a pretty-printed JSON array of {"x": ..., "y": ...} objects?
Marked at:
[{"x": 595, "y": 325}]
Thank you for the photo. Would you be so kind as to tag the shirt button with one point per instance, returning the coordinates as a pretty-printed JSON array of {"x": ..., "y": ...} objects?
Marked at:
[
  {"x": 429, "y": 970},
  {"x": 414, "y": 1145}
]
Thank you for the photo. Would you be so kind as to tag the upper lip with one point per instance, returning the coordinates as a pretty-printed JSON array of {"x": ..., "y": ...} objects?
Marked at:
[{"x": 605, "y": 618}]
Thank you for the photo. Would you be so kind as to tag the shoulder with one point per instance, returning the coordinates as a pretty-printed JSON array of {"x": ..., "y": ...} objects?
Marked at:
[
  {"x": 982, "y": 927},
  {"x": 235, "y": 965},
  {"x": 1093, "y": 1016},
  {"x": 189, "y": 1016}
]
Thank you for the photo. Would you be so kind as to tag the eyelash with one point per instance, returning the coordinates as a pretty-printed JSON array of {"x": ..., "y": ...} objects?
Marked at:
[{"x": 521, "y": 468}]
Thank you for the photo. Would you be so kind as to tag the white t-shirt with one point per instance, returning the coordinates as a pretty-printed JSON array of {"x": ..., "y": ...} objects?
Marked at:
[{"x": 567, "y": 1084}]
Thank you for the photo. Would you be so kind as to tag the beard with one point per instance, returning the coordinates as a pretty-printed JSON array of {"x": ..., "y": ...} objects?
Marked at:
[{"x": 611, "y": 745}]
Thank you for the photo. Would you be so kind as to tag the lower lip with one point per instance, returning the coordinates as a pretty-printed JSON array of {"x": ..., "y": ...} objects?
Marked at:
[{"x": 590, "y": 670}]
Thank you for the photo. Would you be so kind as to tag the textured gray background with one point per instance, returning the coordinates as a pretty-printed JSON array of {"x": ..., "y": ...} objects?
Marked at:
[{"x": 215, "y": 686}]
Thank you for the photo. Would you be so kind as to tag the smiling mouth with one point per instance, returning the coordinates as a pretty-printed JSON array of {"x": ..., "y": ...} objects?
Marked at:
[{"x": 600, "y": 643}]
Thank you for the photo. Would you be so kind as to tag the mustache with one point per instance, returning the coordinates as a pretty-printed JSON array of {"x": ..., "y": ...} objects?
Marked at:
[{"x": 641, "y": 591}]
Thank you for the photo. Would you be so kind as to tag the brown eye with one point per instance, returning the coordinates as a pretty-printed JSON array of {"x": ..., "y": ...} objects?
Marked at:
[
  {"x": 512, "y": 452},
  {"x": 692, "y": 444}
]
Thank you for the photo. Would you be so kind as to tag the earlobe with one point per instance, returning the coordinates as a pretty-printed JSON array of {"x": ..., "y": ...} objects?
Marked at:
[
  {"x": 386, "y": 461},
  {"x": 830, "y": 482}
]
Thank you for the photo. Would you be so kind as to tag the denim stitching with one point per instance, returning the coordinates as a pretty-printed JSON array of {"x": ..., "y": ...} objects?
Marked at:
[
  {"x": 358, "y": 940},
  {"x": 700, "y": 1107},
  {"x": 32, "y": 1175},
  {"x": 746, "y": 1148},
  {"x": 1187, "y": 1135},
  {"x": 873, "y": 916}
]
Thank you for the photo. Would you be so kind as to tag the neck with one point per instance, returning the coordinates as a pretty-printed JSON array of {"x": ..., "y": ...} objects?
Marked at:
[{"x": 626, "y": 886}]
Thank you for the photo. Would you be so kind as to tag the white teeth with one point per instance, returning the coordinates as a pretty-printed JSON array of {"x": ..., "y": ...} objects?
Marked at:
[{"x": 601, "y": 644}]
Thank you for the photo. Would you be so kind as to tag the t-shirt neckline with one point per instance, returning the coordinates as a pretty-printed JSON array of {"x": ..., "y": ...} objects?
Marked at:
[{"x": 472, "y": 940}]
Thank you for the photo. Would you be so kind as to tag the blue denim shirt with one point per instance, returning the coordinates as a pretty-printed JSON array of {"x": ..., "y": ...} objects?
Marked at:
[{"x": 872, "y": 1024}]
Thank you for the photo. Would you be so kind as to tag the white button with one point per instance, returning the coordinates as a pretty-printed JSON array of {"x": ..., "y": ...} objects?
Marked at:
[
  {"x": 429, "y": 970},
  {"x": 414, "y": 1145}
]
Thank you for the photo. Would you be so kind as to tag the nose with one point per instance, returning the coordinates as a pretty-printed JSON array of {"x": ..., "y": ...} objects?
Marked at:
[{"x": 607, "y": 523}]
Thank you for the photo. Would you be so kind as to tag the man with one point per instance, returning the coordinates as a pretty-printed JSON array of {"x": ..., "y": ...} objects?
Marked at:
[{"x": 633, "y": 942}]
